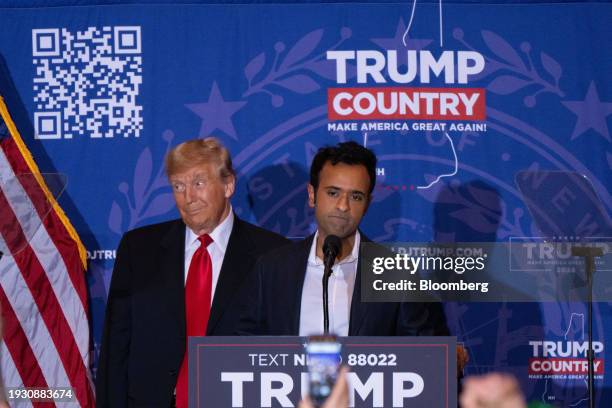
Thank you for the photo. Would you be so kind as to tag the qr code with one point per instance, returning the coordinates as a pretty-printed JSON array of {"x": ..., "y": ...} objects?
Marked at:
[{"x": 86, "y": 83}]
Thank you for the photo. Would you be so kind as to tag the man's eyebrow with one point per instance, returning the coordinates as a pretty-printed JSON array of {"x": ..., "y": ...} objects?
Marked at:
[
  {"x": 195, "y": 176},
  {"x": 350, "y": 191}
]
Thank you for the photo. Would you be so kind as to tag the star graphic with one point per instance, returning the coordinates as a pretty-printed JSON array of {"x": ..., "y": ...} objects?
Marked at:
[
  {"x": 216, "y": 113},
  {"x": 395, "y": 43},
  {"x": 592, "y": 113}
]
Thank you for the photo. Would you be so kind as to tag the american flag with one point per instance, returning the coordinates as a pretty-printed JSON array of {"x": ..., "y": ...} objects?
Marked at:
[{"x": 43, "y": 293}]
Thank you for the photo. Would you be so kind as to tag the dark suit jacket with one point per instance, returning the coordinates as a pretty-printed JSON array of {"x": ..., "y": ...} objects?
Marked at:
[
  {"x": 144, "y": 341},
  {"x": 273, "y": 306}
]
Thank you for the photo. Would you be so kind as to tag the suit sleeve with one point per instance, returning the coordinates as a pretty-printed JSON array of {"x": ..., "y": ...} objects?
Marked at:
[{"x": 112, "y": 374}]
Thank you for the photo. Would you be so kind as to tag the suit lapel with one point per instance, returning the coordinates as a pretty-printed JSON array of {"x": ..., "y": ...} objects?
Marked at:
[
  {"x": 239, "y": 258},
  {"x": 172, "y": 267},
  {"x": 358, "y": 308},
  {"x": 296, "y": 281}
]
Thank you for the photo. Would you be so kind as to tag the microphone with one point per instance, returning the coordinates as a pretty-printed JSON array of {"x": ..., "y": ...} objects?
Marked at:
[{"x": 331, "y": 247}]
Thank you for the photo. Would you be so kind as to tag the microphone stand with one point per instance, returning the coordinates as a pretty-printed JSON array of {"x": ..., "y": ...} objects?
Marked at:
[
  {"x": 589, "y": 254},
  {"x": 326, "y": 274},
  {"x": 331, "y": 248}
]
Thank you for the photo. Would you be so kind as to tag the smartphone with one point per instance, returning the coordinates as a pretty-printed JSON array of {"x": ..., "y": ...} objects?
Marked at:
[{"x": 323, "y": 356}]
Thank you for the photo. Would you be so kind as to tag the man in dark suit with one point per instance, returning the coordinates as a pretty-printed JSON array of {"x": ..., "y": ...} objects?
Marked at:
[
  {"x": 177, "y": 279},
  {"x": 285, "y": 289}
]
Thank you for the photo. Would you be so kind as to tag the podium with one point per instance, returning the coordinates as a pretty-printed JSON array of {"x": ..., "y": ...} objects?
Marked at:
[{"x": 247, "y": 372}]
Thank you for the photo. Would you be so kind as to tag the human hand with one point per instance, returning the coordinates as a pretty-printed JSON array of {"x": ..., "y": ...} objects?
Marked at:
[
  {"x": 338, "y": 397},
  {"x": 495, "y": 390}
]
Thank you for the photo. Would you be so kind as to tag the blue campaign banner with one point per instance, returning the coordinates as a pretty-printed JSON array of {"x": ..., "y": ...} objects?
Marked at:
[{"x": 456, "y": 98}]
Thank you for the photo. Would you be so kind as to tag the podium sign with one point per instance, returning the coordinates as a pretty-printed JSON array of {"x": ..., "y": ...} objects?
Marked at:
[{"x": 236, "y": 372}]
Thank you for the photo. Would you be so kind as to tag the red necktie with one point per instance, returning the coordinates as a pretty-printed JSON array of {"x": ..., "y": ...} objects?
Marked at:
[{"x": 197, "y": 308}]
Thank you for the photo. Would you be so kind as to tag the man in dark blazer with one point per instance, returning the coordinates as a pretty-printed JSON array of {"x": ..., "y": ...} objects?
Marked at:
[
  {"x": 145, "y": 332},
  {"x": 275, "y": 303},
  {"x": 285, "y": 289}
]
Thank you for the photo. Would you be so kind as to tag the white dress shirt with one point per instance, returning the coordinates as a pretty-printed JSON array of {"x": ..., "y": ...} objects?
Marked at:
[
  {"x": 340, "y": 292},
  {"x": 216, "y": 249}
]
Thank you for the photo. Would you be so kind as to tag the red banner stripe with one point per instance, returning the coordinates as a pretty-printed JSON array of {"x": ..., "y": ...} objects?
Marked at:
[{"x": 386, "y": 103}]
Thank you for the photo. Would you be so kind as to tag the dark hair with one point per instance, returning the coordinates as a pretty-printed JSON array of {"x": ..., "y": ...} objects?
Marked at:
[{"x": 348, "y": 153}]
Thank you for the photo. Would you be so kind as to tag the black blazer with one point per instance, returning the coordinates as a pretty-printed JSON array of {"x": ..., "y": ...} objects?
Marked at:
[
  {"x": 274, "y": 302},
  {"x": 144, "y": 341}
]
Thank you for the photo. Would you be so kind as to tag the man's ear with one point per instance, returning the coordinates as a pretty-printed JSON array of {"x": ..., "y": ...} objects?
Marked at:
[
  {"x": 312, "y": 197},
  {"x": 230, "y": 186}
]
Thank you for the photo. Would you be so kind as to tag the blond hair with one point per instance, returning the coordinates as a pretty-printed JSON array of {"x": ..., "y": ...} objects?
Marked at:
[{"x": 197, "y": 152}]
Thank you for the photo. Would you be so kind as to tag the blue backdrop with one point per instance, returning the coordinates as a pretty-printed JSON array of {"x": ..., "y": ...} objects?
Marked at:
[{"x": 100, "y": 93}]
